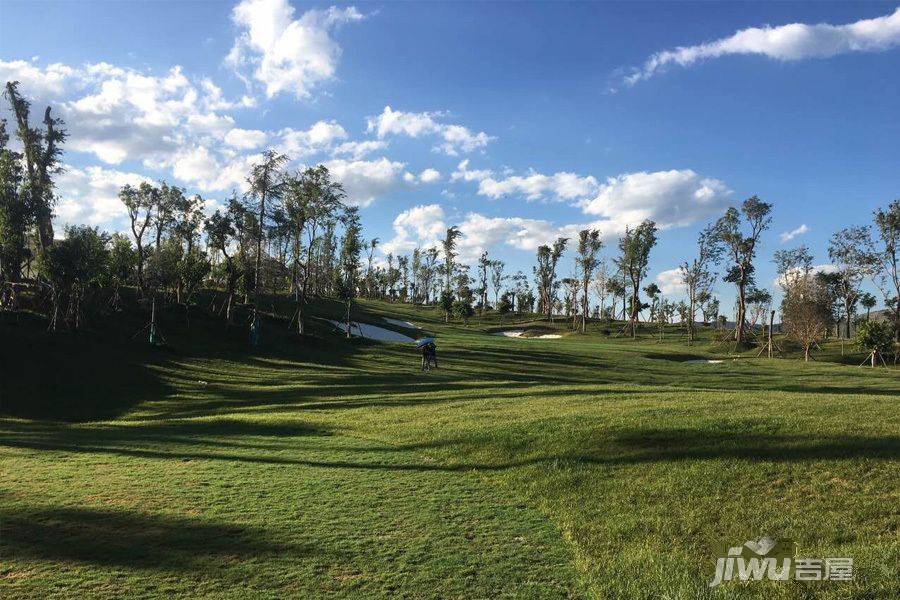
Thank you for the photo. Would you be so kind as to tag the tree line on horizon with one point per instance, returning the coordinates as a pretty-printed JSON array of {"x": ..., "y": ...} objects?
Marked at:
[{"x": 294, "y": 234}]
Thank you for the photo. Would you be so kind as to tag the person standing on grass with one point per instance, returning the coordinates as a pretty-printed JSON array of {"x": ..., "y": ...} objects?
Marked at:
[{"x": 429, "y": 356}]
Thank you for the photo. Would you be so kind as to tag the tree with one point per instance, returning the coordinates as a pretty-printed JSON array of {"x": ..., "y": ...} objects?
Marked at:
[
  {"x": 654, "y": 293},
  {"x": 14, "y": 220},
  {"x": 429, "y": 270},
  {"x": 616, "y": 289},
  {"x": 370, "y": 275},
  {"x": 805, "y": 311},
  {"x": 847, "y": 252},
  {"x": 220, "y": 232},
  {"x": 875, "y": 338},
  {"x": 139, "y": 203},
  {"x": 348, "y": 277},
  {"x": 497, "y": 278},
  {"x": 484, "y": 263},
  {"x": 601, "y": 285},
  {"x": 41, "y": 152},
  {"x": 741, "y": 247},
  {"x": 634, "y": 249},
  {"x": 415, "y": 272},
  {"x": 868, "y": 301},
  {"x": 266, "y": 184},
  {"x": 449, "y": 247},
  {"x": 589, "y": 245},
  {"x": 447, "y": 304},
  {"x": 71, "y": 266},
  {"x": 883, "y": 257},
  {"x": 315, "y": 199},
  {"x": 759, "y": 302},
  {"x": 121, "y": 264},
  {"x": 545, "y": 274},
  {"x": 462, "y": 309},
  {"x": 697, "y": 276},
  {"x": 504, "y": 305}
]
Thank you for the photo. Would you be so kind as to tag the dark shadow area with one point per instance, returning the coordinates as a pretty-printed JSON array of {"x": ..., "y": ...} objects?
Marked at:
[
  {"x": 68, "y": 377},
  {"x": 133, "y": 540},
  {"x": 197, "y": 441}
]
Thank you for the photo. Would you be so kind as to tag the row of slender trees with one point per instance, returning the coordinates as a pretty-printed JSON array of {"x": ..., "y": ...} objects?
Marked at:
[{"x": 292, "y": 233}]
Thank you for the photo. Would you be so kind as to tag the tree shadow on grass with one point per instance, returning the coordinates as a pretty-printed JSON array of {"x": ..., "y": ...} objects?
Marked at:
[
  {"x": 517, "y": 448},
  {"x": 134, "y": 540}
]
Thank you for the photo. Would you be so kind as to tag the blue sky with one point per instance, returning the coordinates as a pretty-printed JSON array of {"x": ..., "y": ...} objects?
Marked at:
[{"x": 560, "y": 110}]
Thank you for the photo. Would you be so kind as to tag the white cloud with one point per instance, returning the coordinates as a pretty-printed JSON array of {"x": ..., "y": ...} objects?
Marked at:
[
  {"x": 429, "y": 176},
  {"x": 463, "y": 173},
  {"x": 90, "y": 196},
  {"x": 420, "y": 225},
  {"x": 789, "y": 235},
  {"x": 120, "y": 114},
  {"x": 364, "y": 181},
  {"x": 454, "y": 138},
  {"x": 670, "y": 282},
  {"x": 245, "y": 139},
  {"x": 670, "y": 198},
  {"x": 795, "y": 41},
  {"x": 287, "y": 54},
  {"x": 321, "y": 136},
  {"x": 425, "y": 225},
  {"x": 534, "y": 186},
  {"x": 357, "y": 150},
  {"x": 51, "y": 80}
]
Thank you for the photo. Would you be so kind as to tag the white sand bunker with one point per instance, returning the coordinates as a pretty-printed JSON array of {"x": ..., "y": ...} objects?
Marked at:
[
  {"x": 703, "y": 362},
  {"x": 399, "y": 323},
  {"x": 372, "y": 332},
  {"x": 517, "y": 333}
]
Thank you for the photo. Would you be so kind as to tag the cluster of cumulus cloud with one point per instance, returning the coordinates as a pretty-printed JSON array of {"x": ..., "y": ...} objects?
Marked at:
[{"x": 139, "y": 126}]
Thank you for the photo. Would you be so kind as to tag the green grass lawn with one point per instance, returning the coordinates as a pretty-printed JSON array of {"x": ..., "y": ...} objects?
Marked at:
[{"x": 586, "y": 466}]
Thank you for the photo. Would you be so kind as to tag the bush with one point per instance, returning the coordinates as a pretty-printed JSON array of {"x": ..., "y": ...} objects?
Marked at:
[{"x": 876, "y": 336}]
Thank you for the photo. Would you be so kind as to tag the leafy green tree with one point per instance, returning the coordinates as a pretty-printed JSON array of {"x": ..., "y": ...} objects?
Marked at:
[
  {"x": 504, "y": 305},
  {"x": 266, "y": 184},
  {"x": 221, "y": 234},
  {"x": 462, "y": 309},
  {"x": 449, "y": 246},
  {"x": 697, "y": 276},
  {"x": 738, "y": 231},
  {"x": 883, "y": 256},
  {"x": 447, "y": 304},
  {"x": 348, "y": 273},
  {"x": 875, "y": 337},
  {"x": 868, "y": 301},
  {"x": 139, "y": 202},
  {"x": 497, "y": 278},
  {"x": 634, "y": 256},
  {"x": 589, "y": 245},
  {"x": 121, "y": 265},
  {"x": 846, "y": 250},
  {"x": 72, "y": 266},
  {"x": 545, "y": 275},
  {"x": 40, "y": 152}
]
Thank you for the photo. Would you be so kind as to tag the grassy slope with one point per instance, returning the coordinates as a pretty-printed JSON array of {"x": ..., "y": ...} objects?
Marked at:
[{"x": 541, "y": 468}]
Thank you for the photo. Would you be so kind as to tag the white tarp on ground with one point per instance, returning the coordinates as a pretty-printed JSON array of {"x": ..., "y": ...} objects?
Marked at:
[
  {"x": 399, "y": 323},
  {"x": 372, "y": 332}
]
